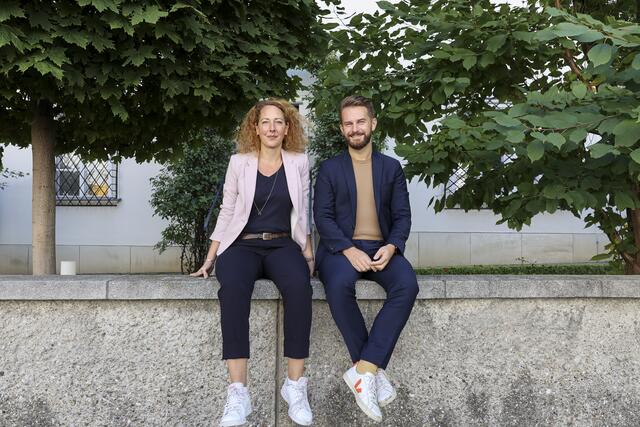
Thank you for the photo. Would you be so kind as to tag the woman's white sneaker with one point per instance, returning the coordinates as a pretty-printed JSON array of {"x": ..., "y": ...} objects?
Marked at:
[
  {"x": 238, "y": 406},
  {"x": 363, "y": 387},
  {"x": 386, "y": 392},
  {"x": 295, "y": 394}
]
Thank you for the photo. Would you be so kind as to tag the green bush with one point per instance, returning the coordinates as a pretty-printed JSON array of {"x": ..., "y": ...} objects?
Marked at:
[
  {"x": 183, "y": 193},
  {"x": 571, "y": 269}
]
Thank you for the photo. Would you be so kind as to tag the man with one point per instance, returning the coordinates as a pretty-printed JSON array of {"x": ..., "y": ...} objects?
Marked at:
[{"x": 362, "y": 213}]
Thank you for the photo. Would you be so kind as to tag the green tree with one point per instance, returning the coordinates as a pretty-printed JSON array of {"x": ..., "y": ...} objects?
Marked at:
[
  {"x": 183, "y": 193},
  {"x": 541, "y": 107},
  {"x": 130, "y": 78}
]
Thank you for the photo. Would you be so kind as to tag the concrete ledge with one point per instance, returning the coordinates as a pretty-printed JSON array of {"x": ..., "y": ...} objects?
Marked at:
[
  {"x": 178, "y": 287},
  {"x": 119, "y": 350}
]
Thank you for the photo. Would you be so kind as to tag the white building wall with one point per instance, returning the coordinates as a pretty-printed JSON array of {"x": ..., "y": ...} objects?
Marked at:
[
  {"x": 131, "y": 222},
  {"x": 120, "y": 239}
]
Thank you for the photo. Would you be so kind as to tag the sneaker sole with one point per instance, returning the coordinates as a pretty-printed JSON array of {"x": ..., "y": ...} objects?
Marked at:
[
  {"x": 293, "y": 419},
  {"x": 235, "y": 423},
  {"x": 388, "y": 400},
  {"x": 361, "y": 404}
]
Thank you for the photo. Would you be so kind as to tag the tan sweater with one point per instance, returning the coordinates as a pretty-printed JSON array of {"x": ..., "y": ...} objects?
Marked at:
[{"x": 367, "y": 226}]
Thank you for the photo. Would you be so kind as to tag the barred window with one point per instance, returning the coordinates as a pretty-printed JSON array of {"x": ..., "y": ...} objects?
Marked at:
[
  {"x": 85, "y": 183},
  {"x": 457, "y": 179}
]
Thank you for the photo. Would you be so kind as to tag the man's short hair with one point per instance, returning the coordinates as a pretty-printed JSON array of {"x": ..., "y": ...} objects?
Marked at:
[{"x": 357, "y": 101}]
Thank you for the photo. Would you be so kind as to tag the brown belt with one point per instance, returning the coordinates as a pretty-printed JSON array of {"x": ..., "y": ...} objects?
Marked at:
[{"x": 263, "y": 236}]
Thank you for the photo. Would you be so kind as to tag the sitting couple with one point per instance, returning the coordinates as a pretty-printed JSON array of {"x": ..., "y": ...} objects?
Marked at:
[{"x": 361, "y": 210}]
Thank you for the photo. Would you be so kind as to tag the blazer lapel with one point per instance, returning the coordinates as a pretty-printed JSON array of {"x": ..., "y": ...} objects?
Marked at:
[
  {"x": 291, "y": 173},
  {"x": 376, "y": 165},
  {"x": 350, "y": 179},
  {"x": 250, "y": 176}
]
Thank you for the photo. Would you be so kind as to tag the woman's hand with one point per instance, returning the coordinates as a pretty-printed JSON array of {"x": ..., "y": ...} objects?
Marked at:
[
  {"x": 205, "y": 269},
  {"x": 311, "y": 263}
]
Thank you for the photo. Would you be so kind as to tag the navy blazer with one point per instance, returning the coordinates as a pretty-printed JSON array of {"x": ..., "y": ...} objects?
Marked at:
[{"x": 334, "y": 206}]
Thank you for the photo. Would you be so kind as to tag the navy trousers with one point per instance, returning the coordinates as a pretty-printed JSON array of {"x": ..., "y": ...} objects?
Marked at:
[
  {"x": 237, "y": 269},
  {"x": 399, "y": 282}
]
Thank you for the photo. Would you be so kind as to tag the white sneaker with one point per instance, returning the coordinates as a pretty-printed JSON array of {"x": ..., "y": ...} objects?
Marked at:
[
  {"x": 238, "y": 406},
  {"x": 295, "y": 394},
  {"x": 386, "y": 392},
  {"x": 363, "y": 387}
]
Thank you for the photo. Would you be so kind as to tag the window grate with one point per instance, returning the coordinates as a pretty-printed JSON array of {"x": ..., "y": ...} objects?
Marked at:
[
  {"x": 85, "y": 183},
  {"x": 458, "y": 177}
]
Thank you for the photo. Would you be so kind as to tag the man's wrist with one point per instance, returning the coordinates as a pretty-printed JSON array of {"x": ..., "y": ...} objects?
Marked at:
[{"x": 393, "y": 247}]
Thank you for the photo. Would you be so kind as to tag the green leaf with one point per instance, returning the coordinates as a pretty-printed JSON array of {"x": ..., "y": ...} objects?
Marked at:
[
  {"x": 600, "y": 150},
  {"x": 9, "y": 9},
  {"x": 494, "y": 43},
  {"x": 578, "y": 135},
  {"x": 589, "y": 37},
  {"x": 636, "y": 62},
  {"x": 448, "y": 90},
  {"x": 515, "y": 136},
  {"x": 100, "y": 5},
  {"x": 635, "y": 155},
  {"x": 469, "y": 62},
  {"x": 535, "y": 150},
  {"x": 150, "y": 14},
  {"x": 553, "y": 191},
  {"x": 506, "y": 121},
  {"x": 556, "y": 139},
  {"x": 568, "y": 29},
  {"x": 600, "y": 54},
  {"x": 486, "y": 59},
  {"x": 410, "y": 118},
  {"x": 624, "y": 201},
  {"x": 46, "y": 67},
  {"x": 75, "y": 37},
  {"x": 627, "y": 132},
  {"x": 578, "y": 89},
  {"x": 601, "y": 257},
  {"x": 454, "y": 122},
  {"x": 539, "y": 135},
  {"x": 387, "y": 6}
]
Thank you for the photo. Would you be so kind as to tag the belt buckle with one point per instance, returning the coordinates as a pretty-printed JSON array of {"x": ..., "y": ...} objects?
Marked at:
[{"x": 266, "y": 236}]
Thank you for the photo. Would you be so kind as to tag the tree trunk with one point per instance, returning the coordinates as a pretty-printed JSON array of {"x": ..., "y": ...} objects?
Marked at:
[
  {"x": 43, "y": 194},
  {"x": 632, "y": 266}
]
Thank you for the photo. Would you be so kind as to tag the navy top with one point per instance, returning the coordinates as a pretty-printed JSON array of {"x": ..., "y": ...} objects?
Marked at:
[{"x": 276, "y": 215}]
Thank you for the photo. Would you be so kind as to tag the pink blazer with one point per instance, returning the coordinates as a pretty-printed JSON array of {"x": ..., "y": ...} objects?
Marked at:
[{"x": 239, "y": 189}]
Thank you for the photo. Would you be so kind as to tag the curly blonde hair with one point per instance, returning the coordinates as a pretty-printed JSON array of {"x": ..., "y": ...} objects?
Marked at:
[{"x": 294, "y": 140}]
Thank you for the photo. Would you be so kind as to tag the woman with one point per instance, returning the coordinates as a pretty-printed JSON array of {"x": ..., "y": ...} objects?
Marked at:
[{"x": 263, "y": 231}]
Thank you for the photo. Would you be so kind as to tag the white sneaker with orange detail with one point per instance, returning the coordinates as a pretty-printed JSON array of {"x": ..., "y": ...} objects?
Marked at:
[
  {"x": 363, "y": 387},
  {"x": 386, "y": 392}
]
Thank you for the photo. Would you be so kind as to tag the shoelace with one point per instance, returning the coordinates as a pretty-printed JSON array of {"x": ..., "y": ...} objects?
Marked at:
[
  {"x": 370, "y": 384},
  {"x": 300, "y": 401},
  {"x": 234, "y": 402},
  {"x": 382, "y": 384}
]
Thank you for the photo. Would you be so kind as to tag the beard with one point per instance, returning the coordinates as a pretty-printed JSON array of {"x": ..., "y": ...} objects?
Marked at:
[{"x": 358, "y": 145}]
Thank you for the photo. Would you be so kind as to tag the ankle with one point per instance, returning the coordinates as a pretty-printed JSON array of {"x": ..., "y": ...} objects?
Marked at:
[{"x": 362, "y": 367}]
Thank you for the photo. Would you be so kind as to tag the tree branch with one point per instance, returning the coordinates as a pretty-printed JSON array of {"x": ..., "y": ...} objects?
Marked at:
[{"x": 568, "y": 56}]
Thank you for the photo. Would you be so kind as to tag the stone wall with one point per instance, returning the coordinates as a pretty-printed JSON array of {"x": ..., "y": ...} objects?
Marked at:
[{"x": 483, "y": 350}]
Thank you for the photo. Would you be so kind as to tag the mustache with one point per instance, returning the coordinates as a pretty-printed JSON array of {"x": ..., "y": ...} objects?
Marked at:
[{"x": 356, "y": 133}]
